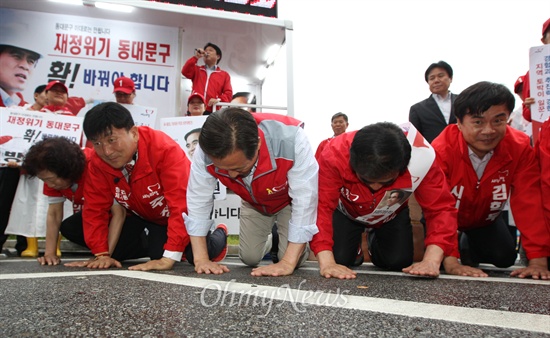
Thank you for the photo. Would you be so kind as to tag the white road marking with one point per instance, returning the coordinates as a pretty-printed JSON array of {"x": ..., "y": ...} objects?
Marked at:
[
  {"x": 236, "y": 262},
  {"x": 231, "y": 292}
]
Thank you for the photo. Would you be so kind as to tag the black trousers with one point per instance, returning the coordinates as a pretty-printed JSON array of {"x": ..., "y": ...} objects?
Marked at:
[
  {"x": 390, "y": 246},
  {"x": 493, "y": 244},
  {"x": 9, "y": 178},
  {"x": 140, "y": 238}
]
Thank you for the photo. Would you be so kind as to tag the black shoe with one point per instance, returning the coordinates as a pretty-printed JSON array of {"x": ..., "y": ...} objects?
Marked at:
[
  {"x": 466, "y": 255},
  {"x": 221, "y": 256},
  {"x": 274, "y": 244},
  {"x": 20, "y": 244},
  {"x": 359, "y": 258}
]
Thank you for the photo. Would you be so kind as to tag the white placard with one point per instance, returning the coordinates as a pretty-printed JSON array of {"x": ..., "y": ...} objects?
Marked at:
[
  {"x": 143, "y": 116},
  {"x": 20, "y": 129},
  {"x": 228, "y": 212},
  {"x": 539, "y": 82},
  {"x": 185, "y": 131}
]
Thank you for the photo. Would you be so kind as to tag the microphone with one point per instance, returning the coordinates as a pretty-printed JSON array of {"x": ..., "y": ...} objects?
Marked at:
[{"x": 117, "y": 179}]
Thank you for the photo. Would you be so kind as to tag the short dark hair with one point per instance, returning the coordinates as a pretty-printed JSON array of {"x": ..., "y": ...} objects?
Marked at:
[
  {"x": 218, "y": 50},
  {"x": 101, "y": 119},
  {"x": 40, "y": 89},
  {"x": 440, "y": 64},
  {"x": 250, "y": 98},
  {"x": 228, "y": 130},
  {"x": 58, "y": 155},
  {"x": 400, "y": 193},
  {"x": 196, "y": 130},
  {"x": 478, "y": 98},
  {"x": 338, "y": 115},
  {"x": 380, "y": 149}
]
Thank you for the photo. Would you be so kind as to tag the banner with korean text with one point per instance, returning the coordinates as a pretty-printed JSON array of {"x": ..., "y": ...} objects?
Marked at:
[
  {"x": 20, "y": 129},
  {"x": 87, "y": 54},
  {"x": 539, "y": 84},
  {"x": 185, "y": 131}
]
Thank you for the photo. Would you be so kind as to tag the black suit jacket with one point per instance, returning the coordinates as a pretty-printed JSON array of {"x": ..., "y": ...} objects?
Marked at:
[{"x": 428, "y": 118}]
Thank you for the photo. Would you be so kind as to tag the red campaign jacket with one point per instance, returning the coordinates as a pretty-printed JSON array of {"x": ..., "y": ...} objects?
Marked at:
[
  {"x": 543, "y": 153},
  {"x": 513, "y": 171},
  {"x": 321, "y": 146},
  {"x": 71, "y": 107},
  {"x": 339, "y": 187},
  {"x": 75, "y": 104},
  {"x": 157, "y": 191},
  {"x": 288, "y": 120},
  {"x": 271, "y": 171},
  {"x": 526, "y": 91},
  {"x": 77, "y": 197},
  {"x": 217, "y": 86}
]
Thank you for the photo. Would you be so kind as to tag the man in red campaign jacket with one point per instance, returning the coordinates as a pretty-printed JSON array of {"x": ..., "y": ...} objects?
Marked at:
[
  {"x": 59, "y": 101},
  {"x": 209, "y": 80},
  {"x": 339, "y": 124},
  {"x": 358, "y": 173},
  {"x": 487, "y": 162},
  {"x": 145, "y": 171},
  {"x": 269, "y": 163}
]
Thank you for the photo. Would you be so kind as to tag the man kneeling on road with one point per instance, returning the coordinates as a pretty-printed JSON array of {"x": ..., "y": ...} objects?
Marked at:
[
  {"x": 269, "y": 163},
  {"x": 145, "y": 171}
]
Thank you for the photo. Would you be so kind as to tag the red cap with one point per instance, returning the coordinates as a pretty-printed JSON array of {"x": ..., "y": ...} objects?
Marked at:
[
  {"x": 195, "y": 94},
  {"x": 57, "y": 82},
  {"x": 545, "y": 27},
  {"x": 124, "y": 84},
  {"x": 519, "y": 81}
]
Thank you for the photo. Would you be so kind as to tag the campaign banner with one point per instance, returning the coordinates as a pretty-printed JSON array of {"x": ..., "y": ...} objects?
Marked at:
[
  {"x": 539, "y": 84},
  {"x": 185, "y": 130},
  {"x": 88, "y": 54},
  {"x": 20, "y": 129}
]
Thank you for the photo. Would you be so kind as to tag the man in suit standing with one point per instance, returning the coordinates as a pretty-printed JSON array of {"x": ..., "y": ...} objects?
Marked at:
[
  {"x": 433, "y": 114},
  {"x": 430, "y": 117}
]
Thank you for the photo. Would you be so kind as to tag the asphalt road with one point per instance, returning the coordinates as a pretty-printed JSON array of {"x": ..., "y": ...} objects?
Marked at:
[{"x": 48, "y": 301}]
